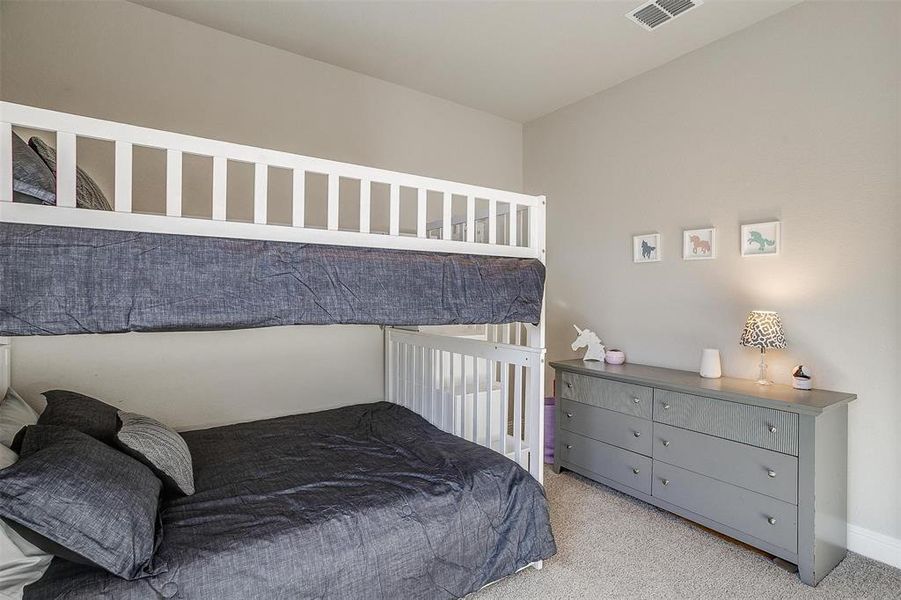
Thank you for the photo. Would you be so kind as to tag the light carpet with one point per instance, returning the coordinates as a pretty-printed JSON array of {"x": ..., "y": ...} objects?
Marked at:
[{"x": 612, "y": 546}]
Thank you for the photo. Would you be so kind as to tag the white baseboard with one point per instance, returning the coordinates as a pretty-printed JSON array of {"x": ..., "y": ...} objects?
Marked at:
[{"x": 877, "y": 546}]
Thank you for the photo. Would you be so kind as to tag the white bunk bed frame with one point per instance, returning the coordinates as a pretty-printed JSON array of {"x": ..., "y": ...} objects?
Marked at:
[{"x": 500, "y": 406}]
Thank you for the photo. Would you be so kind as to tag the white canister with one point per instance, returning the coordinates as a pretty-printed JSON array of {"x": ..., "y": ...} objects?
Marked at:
[{"x": 710, "y": 363}]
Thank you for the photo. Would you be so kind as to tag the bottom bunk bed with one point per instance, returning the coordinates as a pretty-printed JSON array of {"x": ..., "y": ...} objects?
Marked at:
[{"x": 366, "y": 501}]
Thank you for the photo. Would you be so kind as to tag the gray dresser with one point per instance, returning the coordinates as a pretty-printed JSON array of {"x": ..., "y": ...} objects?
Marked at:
[{"x": 766, "y": 465}]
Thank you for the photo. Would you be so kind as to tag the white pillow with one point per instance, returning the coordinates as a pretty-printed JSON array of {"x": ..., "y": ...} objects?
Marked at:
[
  {"x": 14, "y": 415},
  {"x": 21, "y": 563}
]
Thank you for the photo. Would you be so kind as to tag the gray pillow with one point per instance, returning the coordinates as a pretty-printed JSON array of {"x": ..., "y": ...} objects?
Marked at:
[
  {"x": 84, "y": 500},
  {"x": 158, "y": 447},
  {"x": 87, "y": 193},
  {"x": 33, "y": 181},
  {"x": 83, "y": 413}
]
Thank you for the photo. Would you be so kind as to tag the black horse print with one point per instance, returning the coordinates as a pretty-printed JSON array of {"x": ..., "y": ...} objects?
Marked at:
[{"x": 646, "y": 249}]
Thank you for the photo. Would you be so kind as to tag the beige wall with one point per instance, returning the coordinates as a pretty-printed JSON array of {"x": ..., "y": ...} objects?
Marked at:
[
  {"x": 795, "y": 119},
  {"x": 124, "y": 62}
]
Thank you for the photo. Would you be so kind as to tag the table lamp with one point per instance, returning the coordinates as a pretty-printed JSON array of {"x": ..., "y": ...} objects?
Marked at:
[{"x": 763, "y": 330}]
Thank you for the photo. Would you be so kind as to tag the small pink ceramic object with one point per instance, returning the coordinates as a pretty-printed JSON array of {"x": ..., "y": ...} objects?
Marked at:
[{"x": 615, "y": 357}]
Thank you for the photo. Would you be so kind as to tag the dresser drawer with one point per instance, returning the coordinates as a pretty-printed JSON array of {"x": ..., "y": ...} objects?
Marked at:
[
  {"x": 621, "y": 466},
  {"x": 622, "y": 397},
  {"x": 618, "y": 429},
  {"x": 765, "y": 518},
  {"x": 764, "y": 427},
  {"x": 765, "y": 471}
]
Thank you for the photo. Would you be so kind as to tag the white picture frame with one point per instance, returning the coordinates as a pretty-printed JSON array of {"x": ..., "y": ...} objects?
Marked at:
[
  {"x": 699, "y": 244},
  {"x": 761, "y": 239},
  {"x": 646, "y": 248}
]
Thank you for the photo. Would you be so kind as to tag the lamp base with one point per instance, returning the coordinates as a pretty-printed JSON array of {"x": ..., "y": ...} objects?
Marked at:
[
  {"x": 764, "y": 382},
  {"x": 762, "y": 378}
]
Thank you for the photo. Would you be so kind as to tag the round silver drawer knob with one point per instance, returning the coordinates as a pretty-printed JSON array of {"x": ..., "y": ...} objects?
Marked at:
[
  {"x": 772, "y": 429},
  {"x": 569, "y": 415},
  {"x": 666, "y": 407},
  {"x": 636, "y": 400},
  {"x": 568, "y": 446},
  {"x": 771, "y": 473},
  {"x": 666, "y": 442},
  {"x": 637, "y": 434},
  {"x": 636, "y": 471},
  {"x": 771, "y": 520},
  {"x": 664, "y": 481}
]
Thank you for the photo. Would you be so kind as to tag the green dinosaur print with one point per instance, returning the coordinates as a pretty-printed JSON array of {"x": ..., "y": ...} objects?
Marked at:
[{"x": 757, "y": 238}]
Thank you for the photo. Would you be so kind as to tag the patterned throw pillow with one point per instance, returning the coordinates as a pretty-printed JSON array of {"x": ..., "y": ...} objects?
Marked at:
[
  {"x": 87, "y": 193},
  {"x": 32, "y": 177},
  {"x": 158, "y": 447},
  {"x": 83, "y": 413},
  {"x": 80, "y": 499}
]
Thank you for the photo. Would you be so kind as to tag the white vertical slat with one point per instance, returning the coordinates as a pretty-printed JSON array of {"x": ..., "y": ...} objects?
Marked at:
[
  {"x": 421, "y": 206},
  {"x": 475, "y": 399},
  {"x": 398, "y": 362},
  {"x": 535, "y": 422},
  {"x": 423, "y": 396},
  {"x": 430, "y": 381},
  {"x": 298, "y": 197},
  {"x": 220, "y": 187},
  {"x": 446, "y": 417},
  {"x": 123, "y": 169},
  {"x": 452, "y": 378},
  {"x": 470, "y": 218},
  {"x": 6, "y": 162},
  {"x": 464, "y": 391},
  {"x": 513, "y": 224},
  {"x": 447, "y": 216},
  {"x": 173, "y": 183},
  {"x": 505, "y": 401},
  {"x": 333, "y": 192},
  {"x": 389, "y": 366},
  {"x": 492, "y": 221},
  {"x": 394, "y": 210},
  {"x": 414, "y": 380},
  {"x": 65, "y": 169},
  {"x": 517, "y": 413},
  {"x": 365, "y": 205},
  {"x": 489, "y": 398},
  {"x": 260, "y": 192}
]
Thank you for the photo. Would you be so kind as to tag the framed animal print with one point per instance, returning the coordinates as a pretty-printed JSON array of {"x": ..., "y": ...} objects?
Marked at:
[
  {"x": 646, "y": 248},
  {"x": 761, "y": 239},
  {"x": 699, "y": 244}
]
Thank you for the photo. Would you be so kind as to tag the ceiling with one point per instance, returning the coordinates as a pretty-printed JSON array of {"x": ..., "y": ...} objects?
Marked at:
[{"x": 519, "y": 60}]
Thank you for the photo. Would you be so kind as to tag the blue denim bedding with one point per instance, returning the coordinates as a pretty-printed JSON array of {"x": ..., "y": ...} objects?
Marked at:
[
  {"x": 59, "y": 280},
  {"x": 366, "y": 501}
]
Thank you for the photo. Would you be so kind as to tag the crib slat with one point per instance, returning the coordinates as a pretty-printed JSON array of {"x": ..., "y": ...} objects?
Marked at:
[
  {"x": 517, "y": 413},
  {"x": 260, "y": 192},
  {"x": 298, "y": 197},
  {"x": 505, "y": 401},
  {"x": 6, "y": 162},
  {"x": 123, "y": 170},
  {"x": 394, "y": 210},
  {"x": 513, "y": 224},
  {"x": 421, "y": 206},
  {"x": 475, "y": 400},
  {"x": 65, "y": 169},
  {"x": 220, "y": 187},
  {"x": 446, "y": 417},
  {"x": 470, "y": 218},
  {"x": 173, "y": 183},
  {"x": 365, "y": 205},
  {"x": 425, "y": 406},
  {"x": 492, "y": 221},
  {"x": 489, "y": 399},
  {"x": 333, "y": 191},
  {"x": 534, "y": 422},
  {"x": 447, "y": 216}
]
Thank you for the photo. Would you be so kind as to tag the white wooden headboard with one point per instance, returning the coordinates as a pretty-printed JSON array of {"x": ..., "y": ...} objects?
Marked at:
[{"x": 4, "y": 366}]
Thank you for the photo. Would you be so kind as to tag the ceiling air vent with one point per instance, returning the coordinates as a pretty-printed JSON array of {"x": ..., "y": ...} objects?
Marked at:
[{"x": 655, "y": 13}]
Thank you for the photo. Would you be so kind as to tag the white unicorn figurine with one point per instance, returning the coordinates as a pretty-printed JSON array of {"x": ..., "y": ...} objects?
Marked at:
[{"x": 589, "y": 338}]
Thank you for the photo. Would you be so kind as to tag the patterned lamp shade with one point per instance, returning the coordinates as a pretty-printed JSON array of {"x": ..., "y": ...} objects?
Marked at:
[{"x": 763, "y": 330}]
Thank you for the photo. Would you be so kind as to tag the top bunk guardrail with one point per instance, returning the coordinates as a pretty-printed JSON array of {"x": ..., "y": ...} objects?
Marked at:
[{"x": 522, "y": 238}]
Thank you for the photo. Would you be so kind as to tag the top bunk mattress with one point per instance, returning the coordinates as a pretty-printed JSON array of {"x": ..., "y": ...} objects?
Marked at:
[
  {"x": 61, "y": 280},
  {"x": 366, "y": 501}
]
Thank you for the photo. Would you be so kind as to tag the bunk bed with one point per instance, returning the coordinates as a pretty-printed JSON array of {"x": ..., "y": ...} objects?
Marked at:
[{"x": 433, "y": 493}]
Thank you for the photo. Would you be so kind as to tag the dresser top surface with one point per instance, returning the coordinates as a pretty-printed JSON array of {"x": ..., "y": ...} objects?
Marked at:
[{"x": 727, "y": 388}]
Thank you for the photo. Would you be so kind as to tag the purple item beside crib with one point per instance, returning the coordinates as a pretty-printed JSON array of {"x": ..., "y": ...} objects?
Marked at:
[{"x": 549, "y": 405}]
